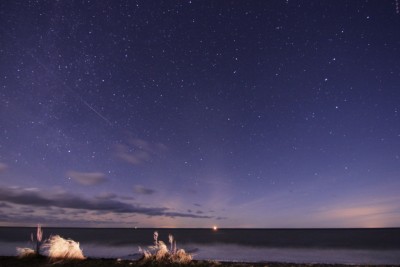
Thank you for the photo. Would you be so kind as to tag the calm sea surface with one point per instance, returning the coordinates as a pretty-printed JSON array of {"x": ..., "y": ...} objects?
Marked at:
[{"x": 356, "y": 246}]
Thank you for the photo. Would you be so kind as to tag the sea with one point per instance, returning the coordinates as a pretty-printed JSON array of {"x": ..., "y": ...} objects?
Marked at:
[{"x": 346, "y": 246}]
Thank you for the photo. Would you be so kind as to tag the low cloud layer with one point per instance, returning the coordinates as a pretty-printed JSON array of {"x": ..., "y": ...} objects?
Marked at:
[
  {"x": 37, "y": 198},
  {"x": 87, "y": 178}
]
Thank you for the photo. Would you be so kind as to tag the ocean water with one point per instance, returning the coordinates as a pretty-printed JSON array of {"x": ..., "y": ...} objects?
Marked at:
[{"x": 352, "y": 246}]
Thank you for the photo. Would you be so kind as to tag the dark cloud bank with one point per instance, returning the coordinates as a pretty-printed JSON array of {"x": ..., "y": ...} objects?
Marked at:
[{"x": 37, "y": 198}]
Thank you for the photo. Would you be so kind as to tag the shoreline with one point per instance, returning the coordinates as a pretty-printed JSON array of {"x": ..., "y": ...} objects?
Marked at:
[{"x": 6, "y": 261}]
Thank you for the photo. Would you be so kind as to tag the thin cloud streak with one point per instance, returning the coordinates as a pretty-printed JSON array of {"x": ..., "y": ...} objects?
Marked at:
[
  {"x": 143, "y": 190},
  {"x": 3, "y": 166},
  {"x": 135, "y": 158},
  {"x": 87, "y": 178},
  {"x": 138, "y": 151},
  {"x": 106, "y": 196}
]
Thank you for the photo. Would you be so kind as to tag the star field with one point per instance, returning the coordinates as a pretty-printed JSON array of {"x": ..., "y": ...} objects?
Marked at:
[{"x": 200, "y": 113}]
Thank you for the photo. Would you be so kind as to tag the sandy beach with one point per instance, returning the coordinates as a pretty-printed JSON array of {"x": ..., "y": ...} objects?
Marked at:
[{"x": 11, "y": 261}]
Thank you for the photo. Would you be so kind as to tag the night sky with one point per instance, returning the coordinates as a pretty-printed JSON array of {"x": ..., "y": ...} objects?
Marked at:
[{"x": 199, "y": 113}]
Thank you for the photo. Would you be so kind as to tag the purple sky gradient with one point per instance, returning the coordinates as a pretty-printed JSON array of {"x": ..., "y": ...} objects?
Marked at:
[{"x": 200, "y": 113}]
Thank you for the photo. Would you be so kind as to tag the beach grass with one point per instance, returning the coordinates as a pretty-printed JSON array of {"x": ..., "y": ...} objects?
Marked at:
[{"x": 41, "y": 261}]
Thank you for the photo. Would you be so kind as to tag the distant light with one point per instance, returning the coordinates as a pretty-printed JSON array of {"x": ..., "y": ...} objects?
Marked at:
[{"x": 215, "y": 228}]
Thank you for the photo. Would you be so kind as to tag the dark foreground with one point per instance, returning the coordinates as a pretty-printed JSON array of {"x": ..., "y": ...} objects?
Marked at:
[{"x": 8, "y": 261}]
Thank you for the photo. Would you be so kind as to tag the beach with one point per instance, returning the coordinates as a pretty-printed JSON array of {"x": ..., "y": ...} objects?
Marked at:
[
  {"x": 334, "y": 247},
  {"x": 12, "y": 261}
]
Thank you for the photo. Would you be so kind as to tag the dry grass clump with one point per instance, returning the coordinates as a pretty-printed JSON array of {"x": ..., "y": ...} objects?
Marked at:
[
  {"x": 181, "y": 256},
  {"x": 55, "y": 247},
  {"x": 25, "y": 252},
  {"x": 28, "y": 252},
  {"x": 161, "y": 254},
  {"x": 60, "y": 248}
]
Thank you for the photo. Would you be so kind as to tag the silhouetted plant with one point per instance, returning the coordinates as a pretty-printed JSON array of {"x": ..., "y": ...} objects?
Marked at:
[{"x": 39, "y": 236}]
